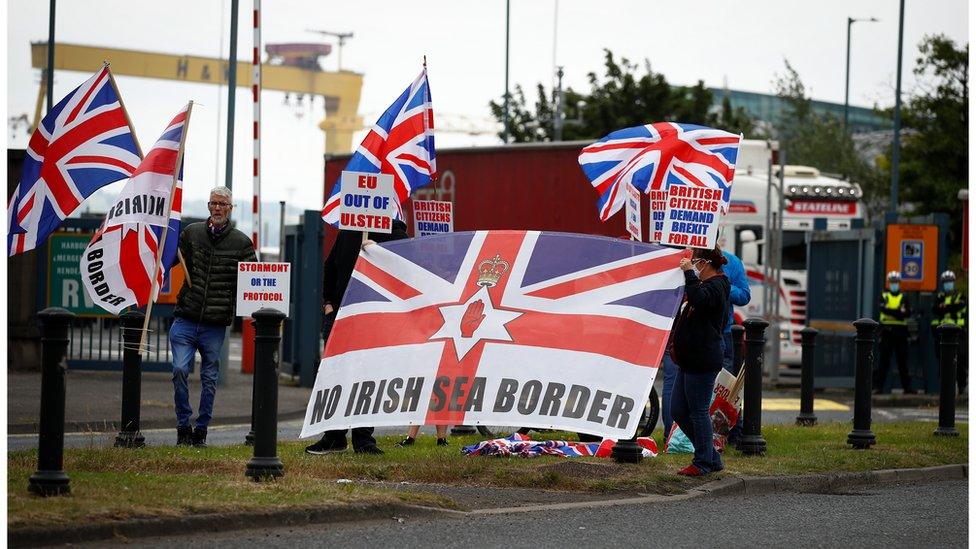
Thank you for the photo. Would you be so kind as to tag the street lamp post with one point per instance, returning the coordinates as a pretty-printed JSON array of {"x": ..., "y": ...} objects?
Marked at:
[{"x": 847, "y": 70}]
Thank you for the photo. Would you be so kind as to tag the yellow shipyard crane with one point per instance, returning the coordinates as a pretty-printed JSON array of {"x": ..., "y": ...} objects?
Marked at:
[{"x": 291, "y": 68}]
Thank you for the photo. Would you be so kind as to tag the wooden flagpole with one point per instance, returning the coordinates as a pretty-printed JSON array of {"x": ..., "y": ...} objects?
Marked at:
[{"x": 162, "y": 242}]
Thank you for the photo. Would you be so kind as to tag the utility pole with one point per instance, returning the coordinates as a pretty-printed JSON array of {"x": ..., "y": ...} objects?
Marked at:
[
  {"x": 896, "y": 147},
  {"x": 505, "y": 130},
  {"x": 557, "y": 111},
  {"x": 231, "y": 95}
]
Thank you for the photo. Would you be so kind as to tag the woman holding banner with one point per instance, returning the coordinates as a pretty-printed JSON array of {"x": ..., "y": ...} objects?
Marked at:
[{"x": 697, "y": 350}]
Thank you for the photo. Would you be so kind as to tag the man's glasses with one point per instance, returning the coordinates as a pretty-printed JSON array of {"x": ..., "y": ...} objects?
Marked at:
[{"x": 219, "y": 204}]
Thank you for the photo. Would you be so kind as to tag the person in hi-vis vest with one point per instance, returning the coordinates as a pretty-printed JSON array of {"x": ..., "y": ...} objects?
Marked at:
[
  {"x": 894, "y": 335},
  {"x": 950, "y": 307}
]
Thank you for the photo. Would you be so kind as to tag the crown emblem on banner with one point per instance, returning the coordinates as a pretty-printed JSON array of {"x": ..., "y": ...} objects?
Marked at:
[{"x": 490, "y": 270}]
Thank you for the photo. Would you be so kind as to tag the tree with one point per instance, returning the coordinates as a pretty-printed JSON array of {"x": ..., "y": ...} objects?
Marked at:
[
  {"x": 623, "y": 97},
  {"x": 935, "y": 148},
  {"x": 811, "y": 139}
]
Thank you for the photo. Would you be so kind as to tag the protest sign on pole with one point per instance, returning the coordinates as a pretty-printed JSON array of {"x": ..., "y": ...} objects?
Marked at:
[
  {"x": 632, "y": 208},
  {"x": 692, "y": 216},
  {"x": 367, "y": 202},
  {"x": 262, "y": 285},
  {"x": 658, "y": 203},
  {"x": 499, "y": 328},
  {"x": 432, "y": 217}
]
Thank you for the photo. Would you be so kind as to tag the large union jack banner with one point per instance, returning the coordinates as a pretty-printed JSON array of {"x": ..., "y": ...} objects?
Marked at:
[
  {"x": 655, "y": 156},
  {"x": 536, "y": 329},
  {"x": 118, "y": 264},
  {"x": 83, "y": 144},
  {"x": 401, "y": 144}
]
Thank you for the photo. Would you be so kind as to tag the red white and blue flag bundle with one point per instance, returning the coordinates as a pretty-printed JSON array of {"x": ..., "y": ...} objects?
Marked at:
[
  {"x": 655, "y": 156},
  {"x": 119, "y": 263},
  {"x": 538, "y": 329},
  {"x": 401, "y": 144},
  {"x": 521, "y": 445},
  {"x": 84, "y": 143}
]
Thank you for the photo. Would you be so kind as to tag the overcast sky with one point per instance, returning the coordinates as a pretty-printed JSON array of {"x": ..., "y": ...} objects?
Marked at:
[{"x": 743, "y": 42}]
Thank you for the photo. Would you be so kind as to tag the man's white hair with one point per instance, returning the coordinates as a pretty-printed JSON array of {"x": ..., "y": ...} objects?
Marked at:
[{"x": 221, "y": 191}]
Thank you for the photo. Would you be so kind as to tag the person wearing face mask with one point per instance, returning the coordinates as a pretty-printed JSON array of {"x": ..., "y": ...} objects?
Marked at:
[
  {"x": 698, "y": 352},
  {"x": 950, "y": 307},
  {"x": 894, "y": 335}
]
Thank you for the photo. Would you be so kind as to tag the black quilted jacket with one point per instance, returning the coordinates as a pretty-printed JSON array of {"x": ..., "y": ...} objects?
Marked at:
[{"x": 212, "y": 264}]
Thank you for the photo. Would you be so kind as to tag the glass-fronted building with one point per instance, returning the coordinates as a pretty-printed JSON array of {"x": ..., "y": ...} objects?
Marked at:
[{"x": 769, "y": 108}]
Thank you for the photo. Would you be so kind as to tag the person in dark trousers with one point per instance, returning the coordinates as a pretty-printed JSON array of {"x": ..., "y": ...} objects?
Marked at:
[
  {"x": 204, "y": 308},
  {"x": 894, "y": 335},
  {"x": 338, "y": 270},
  {"x": 740, "y": 295},
  {"x": 950, "y": 307},
  {"x": 697, "y": 350}
]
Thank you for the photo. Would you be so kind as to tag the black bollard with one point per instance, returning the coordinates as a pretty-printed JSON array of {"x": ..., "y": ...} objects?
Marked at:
[
  {"x": 50, "y": 478},
  {"x": 738, "y": 334},
  {"x": 752, "y": 441},
  {"x": 267, "y": 329},
  {"x": 862, "y": 437},
  {"x": 129, "y": 435},
  {"x": 806, "y": 416},
  {"x": 627, "y": 451},
  {"x": 948, "y": 349}
]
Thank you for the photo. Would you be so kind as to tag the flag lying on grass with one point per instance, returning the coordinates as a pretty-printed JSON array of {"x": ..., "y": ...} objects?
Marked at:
[{"x": 522, "y": 446}]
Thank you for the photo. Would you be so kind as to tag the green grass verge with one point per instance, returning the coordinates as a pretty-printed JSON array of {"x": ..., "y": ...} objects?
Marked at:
[{"x": 111, "y": 484}]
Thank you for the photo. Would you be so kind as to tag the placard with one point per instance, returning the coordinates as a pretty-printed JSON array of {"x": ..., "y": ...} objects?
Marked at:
[
  {"x": 262, "y": 285},
  {"x": 367, "y": 202},
  {"x": 432, "y": 217},
  {"x": 633, "y": 213},
  {"x": 658, "y": 203},
  {"x": 692, "y": 216}
]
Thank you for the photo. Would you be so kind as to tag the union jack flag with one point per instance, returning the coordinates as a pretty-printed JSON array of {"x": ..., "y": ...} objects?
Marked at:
[
  {"x": 522, "y": 446},
  {"x": 119, "y": 263},
  {"x": 401, "y": 144},
  {"x": 560, "y": 316},
  {"x": 83, "y": 144},
  {"x": 655, "y": 156}
]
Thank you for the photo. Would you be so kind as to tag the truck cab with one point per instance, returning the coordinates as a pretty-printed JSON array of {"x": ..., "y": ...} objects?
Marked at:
[{"x": 808, "y": 196}]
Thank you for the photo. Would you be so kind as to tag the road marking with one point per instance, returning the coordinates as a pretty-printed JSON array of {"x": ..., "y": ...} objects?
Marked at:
[{"x": 784, "y": 404}]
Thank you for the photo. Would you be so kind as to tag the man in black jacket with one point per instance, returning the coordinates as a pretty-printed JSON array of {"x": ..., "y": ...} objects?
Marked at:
[
  {"x": 204, "y": 308},
  {"x": 338, "y": 270}
]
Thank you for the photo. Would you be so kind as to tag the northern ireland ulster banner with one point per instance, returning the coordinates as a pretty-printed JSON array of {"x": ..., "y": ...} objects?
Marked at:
[
  {"x": 119, "y": 263},
  {"x": 535, "y": 329}
]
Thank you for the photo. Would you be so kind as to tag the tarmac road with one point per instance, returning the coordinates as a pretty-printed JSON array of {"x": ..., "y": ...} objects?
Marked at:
[
  {"x": 228, "y": 435},
  {"x": 874, "y": 516}
]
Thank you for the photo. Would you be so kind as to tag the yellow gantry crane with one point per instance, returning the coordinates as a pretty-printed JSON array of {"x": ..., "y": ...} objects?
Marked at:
[{"x": 295, "y": 70}]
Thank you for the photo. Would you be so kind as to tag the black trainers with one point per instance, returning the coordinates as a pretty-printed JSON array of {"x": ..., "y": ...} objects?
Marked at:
[
  {"x": 405, "y": 442},
  {"x": 442, "y": 442},
  {"x": 371, "y": 449},
  {"x": 184, "y": 436},
  {"x": 324, "y": 446},
  {"x": 199, "y": 438}
]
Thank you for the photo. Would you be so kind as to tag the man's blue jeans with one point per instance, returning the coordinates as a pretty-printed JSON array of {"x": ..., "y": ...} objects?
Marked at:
[
  {"x": 736, "y": 431},
  {"x": 690, "y": 399},
  {"x": 186, "y": 338}
]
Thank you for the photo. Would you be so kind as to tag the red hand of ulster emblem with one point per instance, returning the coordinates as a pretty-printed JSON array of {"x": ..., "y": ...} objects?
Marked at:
[{"x": 472, "y": 318}]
